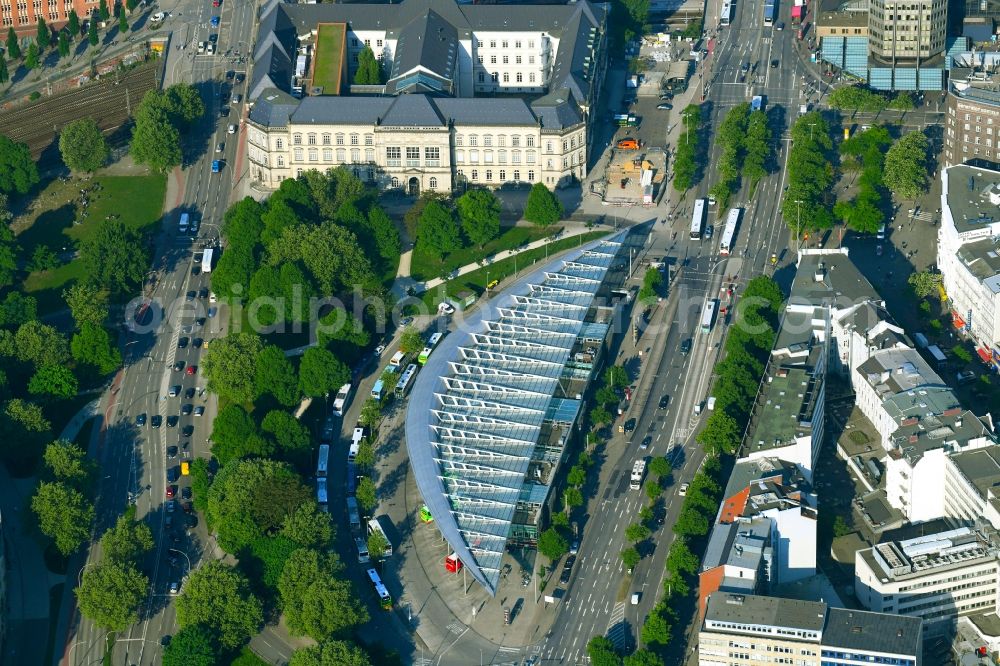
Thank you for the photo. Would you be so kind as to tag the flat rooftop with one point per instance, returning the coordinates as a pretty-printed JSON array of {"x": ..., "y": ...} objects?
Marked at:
[
  {"x": 968, "y": 197},
  {"x": 954, "y": 428},
  {"x": 785, "y": 404},
  {"x": 751, "y": 609},
  {"x": 981, "y": 468},
  {"x": 873, "y": 632},
  {"x": 898, "y": 370},
  {"x": 825, "y": 277},
  {"x": 982, "y": 259},
  {"x": 933, "y": 553}
]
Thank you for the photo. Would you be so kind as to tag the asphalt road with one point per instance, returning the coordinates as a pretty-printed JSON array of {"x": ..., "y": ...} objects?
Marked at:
[{"x": 136, "y": 458}]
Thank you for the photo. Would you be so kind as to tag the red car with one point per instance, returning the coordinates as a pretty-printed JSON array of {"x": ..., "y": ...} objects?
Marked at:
[
  {"x": 170, "y": 491},
  {"x": 192, "y": 369},
  {"x": 216, "y": 3}
]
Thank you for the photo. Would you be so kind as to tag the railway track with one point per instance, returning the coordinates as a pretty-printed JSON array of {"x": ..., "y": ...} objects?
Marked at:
[{"x": 108, "y": 101}]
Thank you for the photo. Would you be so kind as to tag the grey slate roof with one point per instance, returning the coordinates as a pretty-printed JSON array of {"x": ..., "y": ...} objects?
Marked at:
[
  {"x": 273, "y": 69},
  {"x": 769, "y": 611},
  {"x": 412, "y": 111},
  {"x": 876, "y": 632},
  {"x": 346, "y": 110},
  {"x": 556, "y": 110},
  {"x": 428, "y": 41},
  {"x": 273, "y": 108},
  {"x": 478, "y": 111},
  {"x": 842, "y": 282}
]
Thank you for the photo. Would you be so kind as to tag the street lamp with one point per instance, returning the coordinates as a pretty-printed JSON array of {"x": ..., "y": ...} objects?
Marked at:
[{"x": 181, "y": 552}]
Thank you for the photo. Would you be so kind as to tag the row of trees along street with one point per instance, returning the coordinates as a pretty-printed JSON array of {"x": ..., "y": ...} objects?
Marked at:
[{"x": 746, "y": 149}]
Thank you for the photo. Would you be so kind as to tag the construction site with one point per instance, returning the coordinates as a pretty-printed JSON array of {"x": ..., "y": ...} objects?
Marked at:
[{"x": 635, "y": 176}]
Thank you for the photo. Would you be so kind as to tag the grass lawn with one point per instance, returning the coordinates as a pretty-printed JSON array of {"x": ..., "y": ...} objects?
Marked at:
[
  {"x": 425, "y": 266},
  {"x": 329, "y": 54},
  {"x": 476, "y": 280},
  {"x": 248, "y": 658},
  {"x": 138, "y": 200}
]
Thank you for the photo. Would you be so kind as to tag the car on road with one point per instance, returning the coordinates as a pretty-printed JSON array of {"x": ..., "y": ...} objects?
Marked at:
[
  {"x": 683, "y": 490},
  {"x": 232, "y": 129},
  {"x": 197, "y": 343},
  {"x": 445, "y": 309},
  {"x": 878, "y": 250},
  {"x": 774, "y": 63},
  {"x": 709, "y": 231},
  {"x": 213, "y": 38},
  {"x": 171, "y": 491},
  {"x": 200, "y": 321},
  {"x": 187, "y": 431},
  {"x": 172, "y": 421},
  {"x": 201, "y": 47},
  {"x": 212, "y": 311},
  {"x": 182, "y": 343},
  {"x": 686, "y": 347},
  {"x": 175, "y": 587},
  {"x": 236, "y": 98},
  {"x": 175, "y": 390},
  {"x": 172, "y": 474},
  {"x": 189, "y": 392},
  {"x": 140, "y": 420},
  {"x": 188, "y": 508},
  {"x": 192, "y": 369},
  {"x": 219, "y": 147},
  {"x": 186, "y": 493},
  {"x": 567, "y": 569},
  {"x": 178, "y": 366},
  {"x": 190, "y": 295},
  {"x": 224, "y": 112},
  {"x": 157, "y": 421},
  {"x": 214, "y": 22},
  {"x": 171, "y": 452},
  {"x": 780, "y": 26},
  {"x": 666, "y": 97},
  {"x": 665, "y": 107},
  {"x": 406, "y": 321},
  {"x": 217, "y": 165},
  {"x": 965, "y": 376},
  {"x": 646, "y": 441},
  {"x": 171, "y": 505},
  {"x": 195, "y": 269},
  {"x": 239, "y": 77},
  {"x": 199, "y": 410},
  {"x": 574, "y": 547},
  {"x": 203, "y": 292},
  {"x": 379, "y": 350},
  {"x": 664, "y": 401},
  {"x": 630, "y": 425},
  {"x": 210, "y": 49},
  {"x": 186, "y": 408}
]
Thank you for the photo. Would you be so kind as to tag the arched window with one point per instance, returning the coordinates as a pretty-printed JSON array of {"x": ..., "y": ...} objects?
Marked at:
[
  {"x": 433, "y": 182},
  {"x": 395, "y": 181}
]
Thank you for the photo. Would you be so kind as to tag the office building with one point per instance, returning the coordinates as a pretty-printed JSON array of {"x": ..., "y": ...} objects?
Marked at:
[
  {"x": 972, "y": 125},
  {"x": 763, "y": 631},
  {"x": 906, "y": 31},
  {"x": 474, "y": 94},
  {"x": 738, "y": 558},
  {"x": 23, "y": 16},
  {"x": 937, "y": 577}
]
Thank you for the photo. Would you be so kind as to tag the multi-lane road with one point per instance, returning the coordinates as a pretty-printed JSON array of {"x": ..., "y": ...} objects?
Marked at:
[{"x": 164, "y": 351}]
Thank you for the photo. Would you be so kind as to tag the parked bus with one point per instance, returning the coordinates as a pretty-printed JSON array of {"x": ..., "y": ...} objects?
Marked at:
[
  {"x": 340, "y": 402},
  {"x": 378, "y": 389},
  {"x": 323, "y": 461},
  {"x": 375, "y": 526},
  {"x": 385, "y": 601},
  {"x": 431, "y": 344},
  {"x": 396, "y": 362},
  {"x": 638, "y": 471},
  {"x": 729, "y": 233},
  {"x": 406, "y": 381},
  {"x": 321, "y": 496},
  {"x": 352, "y": 514},
  {"x": 182, "y": 225},
  {"x": 726, "y": 11},
  {"x": 362, "y": 547},
  {"x": 206, "y": 260},
  {"x": 708, "y": 315},
  {"x": 770, "y": 11},
  {"x": 352, "y": 480},
  {"x": 697, "y": 219}
]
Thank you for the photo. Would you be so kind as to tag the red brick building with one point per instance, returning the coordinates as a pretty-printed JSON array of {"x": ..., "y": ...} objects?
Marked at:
[{"x": 23, "y": 15}]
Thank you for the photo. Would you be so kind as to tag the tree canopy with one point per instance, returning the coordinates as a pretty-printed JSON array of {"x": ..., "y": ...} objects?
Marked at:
[
  {"x": 479, "y": 213},
  {"x": 543, "y": 206},
  {"x": 316, "y": 602},
  {"x": 193, "y": 645},
  {"x": 114, "y": 257},
  {"x": 320, "y": 372},
  {"x": 219, "y": 596},
  {"x": 127, "y": 541},
  {"x": 552, "y": 544},
  {"x": 64, "y": 515},
  {"x": 231, "y": 366},
  {"x": 437, "y": 230},
  {"x": 82, "y": 145},
  {"x": 331, "y": 653},
  {"x": 906, "y": 166},
  {"x": 156, "y": 142},
  {"x": 110, "y": 594},
  {"x": 369, "y": 70},
  {"x": 18, "y": 172}
]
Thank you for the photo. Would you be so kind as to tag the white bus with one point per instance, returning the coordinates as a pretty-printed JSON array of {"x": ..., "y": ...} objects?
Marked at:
[
  {"x": 323, "y": 461},
  {"x": 378, "y": 389},
  {"x": 206, "y": 261},
  {"x": 431, "y": 344},
  {"x": 375, "y": 526},
  {"x": 638, "y": 470},
  {"x": 362, "y": 547},
  {"x": 724, "y": 15},
  {"x": 396, "y": 362},
  {"x": 708, "y": 315},
  {"x": 321, "y": 496},
  {"x": 406, "y": 381},
  {"x": 697, "y": 219},
  {"x": 340, "y": 402},
  {"x": 385, "y": 601},
  {"x": 729, "y": 234}
]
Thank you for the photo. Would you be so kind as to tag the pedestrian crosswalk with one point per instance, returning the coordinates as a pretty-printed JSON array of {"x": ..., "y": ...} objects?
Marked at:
[{"x": 617, "y": 631}]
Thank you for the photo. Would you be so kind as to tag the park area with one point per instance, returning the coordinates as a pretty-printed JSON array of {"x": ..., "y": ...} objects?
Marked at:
[
  {"x": 329, "y": 61},
  {"x": 426, "y": 265},
  {"x": 66, "y": 212}
]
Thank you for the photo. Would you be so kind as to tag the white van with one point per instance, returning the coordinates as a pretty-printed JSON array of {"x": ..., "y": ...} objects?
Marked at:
[{"x": 881, "y": 233}]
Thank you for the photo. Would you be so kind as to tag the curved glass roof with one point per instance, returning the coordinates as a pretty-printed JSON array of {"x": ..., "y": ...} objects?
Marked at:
[{"x": 477, "y": 406}]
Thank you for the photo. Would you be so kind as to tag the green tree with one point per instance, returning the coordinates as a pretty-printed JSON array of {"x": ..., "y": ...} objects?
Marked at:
[
  {"x": 657, "y": 628},
  {"x": 183, "y": 104},
  {"x": 218, "y": 595},
  {"x": 330, "y": 653},
  {"x": 83, "y": 146},
  {"x": 155, "y": 141},
  {"x": 924, "y": 283},
  {"x": 680, "y": 559},
  {"x": 23, "y": 429},
  {"x": 721, "y": 433},
  {"x": 16, "y": 309},
  {"x": 288, "y": 433},
  {"x": 13, "y": 44},
  {"x": 68, "y": 462},
  {"x": 63, "y": 44},
  {"x": 602, "y": 652},
  {"x": 630, "y": 557},
  {"x": 636, "y": 532},
  {"x": 110, "y": 594},
  {"x": 653, "y": 489},
  {"x": 73, "y": 23},
  {"x": 552, "y": 544},
  {"x": 378, "y": 545},
  {"x": 87, "y": 304},
  {"x": 661, "y": 467},
  {"x": 316, "y": 601},
  {"x": 369, "y": 71},
  {"x": 275, "y": 375},
  {"x": 411, "y": 341},
  {"x": 366, "y": 495},
  {"x": 691, "y": 523},
  {"x": 371, "y": 413},
  {"x": 40, "y": 344},
  {"x": 231, "y": 366},
  {"x": 479, "y": 213},
  {"x": 103, "y": 11},
  {"x": 18, "y": 172},
  {"x": 543, "y": 206},
  {"x": 114, "y": 257},
  {"x": 906, "y": 166},
  {"x": 54, "y": 380},
  {"x": 308, "y": 526},
  {"x": 642, "y": 658},
  {"x": 437, "y": 230},
  {"x": 193, "y": 645},
  {"x": 128, "y": 541},
  {"x": 93, "y": 346},
  {"x": 234, "y": 436},
  {"x": 600, "y": 416},
  {"x": 201, "y": 480},
  {"x": 365, "y": 460},
  {"x": 43, "y": 36},
  {"x": 32, "y": 61},
  {"x": 572, "y": 497},
  {"x": 64, "y": 515},
  {"x": 330, "y": 253},
  {"x": 383, "y": 231},
  {"x": 577, "y": 476},
  {"x": 840, "y": 527},
  {"x": 122, "y": 23},
  {"x": 4, "y": 73},
  {"x": 92, "y": 37},
  {"x": 321, "y": 373}
]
